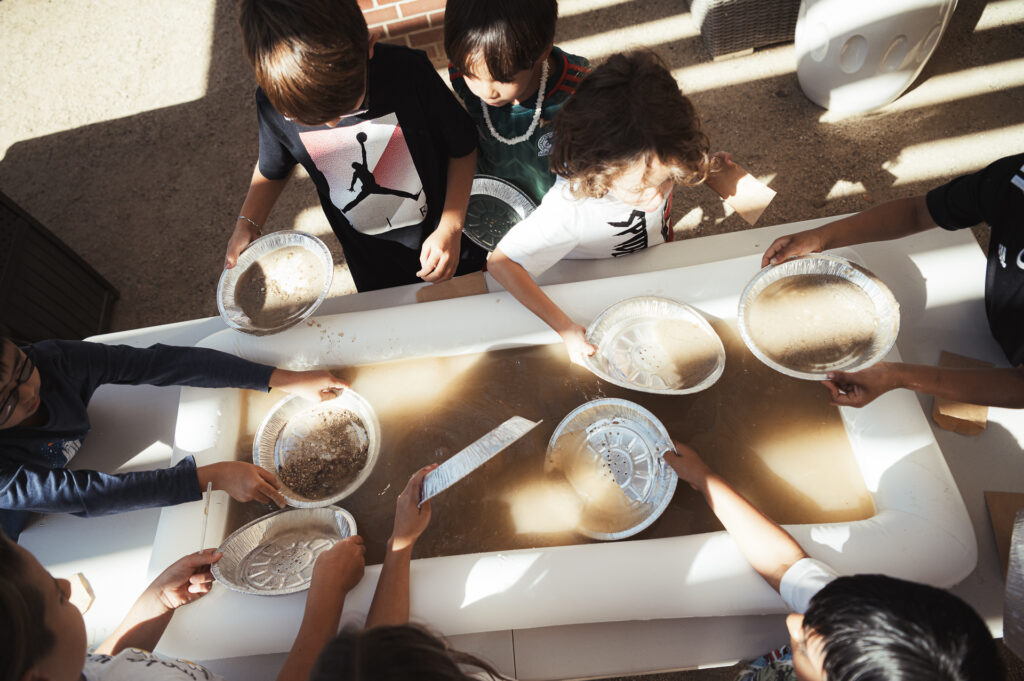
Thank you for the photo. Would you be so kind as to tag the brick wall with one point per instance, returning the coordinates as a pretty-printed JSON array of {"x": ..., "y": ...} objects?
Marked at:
[{"x": 414, "y": 23}]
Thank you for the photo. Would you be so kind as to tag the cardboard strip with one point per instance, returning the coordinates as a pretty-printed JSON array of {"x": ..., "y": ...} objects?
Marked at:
[
  {"x": 747, "y": 195},
  {"x": 467, "y": 285}
]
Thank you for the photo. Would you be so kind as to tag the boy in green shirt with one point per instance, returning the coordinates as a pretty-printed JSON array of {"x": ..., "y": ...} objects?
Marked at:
[{"x": 513, "y": 80}]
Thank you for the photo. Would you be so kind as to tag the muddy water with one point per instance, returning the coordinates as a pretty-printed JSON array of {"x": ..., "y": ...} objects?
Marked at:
[{"x": 776, "y": 439}]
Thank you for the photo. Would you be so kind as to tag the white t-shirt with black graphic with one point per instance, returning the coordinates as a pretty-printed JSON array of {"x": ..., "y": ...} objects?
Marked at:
[
  {"x": 133, "y": 664},
  {"x": 566, "y": 227}
]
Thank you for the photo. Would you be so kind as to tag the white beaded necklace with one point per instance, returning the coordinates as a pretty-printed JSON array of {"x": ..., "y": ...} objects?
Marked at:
[{"x": 536, "y": 112}]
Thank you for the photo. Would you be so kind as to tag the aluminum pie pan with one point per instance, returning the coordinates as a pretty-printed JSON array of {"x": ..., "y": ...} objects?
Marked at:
[
  {"x": 231, "y": 312},
  {"x": 283, "y": 422},
  {"x": 495, "y": 205},
  {"x": 274, "y": 555},
  {"x": 886, "y": 313},
  {"x": 628, "y": 441},
  {"x": 631, "y": 336}
]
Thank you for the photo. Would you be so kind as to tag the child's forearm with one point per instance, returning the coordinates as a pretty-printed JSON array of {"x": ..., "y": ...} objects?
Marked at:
[
  {"x": 456, "y": 199},
  {"x": 261, "y": 197},
  {"x": 768, "y": 548},
  {"x": 390, "y": 605},
  {"x": 141, "y": 628},
  {"x": 889, "y": 220},
  {"x": 520, "y": 284},
  {"x": 992, "y": 387},
  {"x": 319, "y": 626}
]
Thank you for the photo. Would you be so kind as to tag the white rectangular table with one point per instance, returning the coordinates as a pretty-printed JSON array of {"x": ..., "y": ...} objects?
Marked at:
[{"x": 938, "y": 278}]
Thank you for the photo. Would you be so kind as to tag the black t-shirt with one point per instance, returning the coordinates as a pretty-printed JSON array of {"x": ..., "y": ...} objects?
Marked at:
[
  {"x": 381, "y": 176},
  {"x": 994, "y": 195}
]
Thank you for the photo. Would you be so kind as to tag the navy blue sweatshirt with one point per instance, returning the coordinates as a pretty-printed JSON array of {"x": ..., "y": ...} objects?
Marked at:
[{"x": 33, "y": 472}]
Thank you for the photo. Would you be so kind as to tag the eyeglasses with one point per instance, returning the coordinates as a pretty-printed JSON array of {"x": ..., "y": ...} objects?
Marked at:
[{"x": 21, "y": 377}]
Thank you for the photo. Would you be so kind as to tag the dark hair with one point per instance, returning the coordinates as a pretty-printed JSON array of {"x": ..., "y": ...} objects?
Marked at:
[
  {"x": 24, "y": 638},
  {"x": 397, "y": 653},
  {"x": 878, "y": 628},
  {"x": 309, "y": 55},
  {"x": 4, "y": 366},
  {"x": 626, "y": 110},
  {"x": 508, "y": 36}
]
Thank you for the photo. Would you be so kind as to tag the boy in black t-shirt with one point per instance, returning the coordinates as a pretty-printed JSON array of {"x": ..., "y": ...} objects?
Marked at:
[
  {"x": 994, "y": 195},
  {"x": 389, "y": 149}
]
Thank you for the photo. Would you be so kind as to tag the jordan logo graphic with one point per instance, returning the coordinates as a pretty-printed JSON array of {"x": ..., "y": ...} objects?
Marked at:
[
  {"x": 636, "y": 228},
  {"x": 368, "y": 185}
]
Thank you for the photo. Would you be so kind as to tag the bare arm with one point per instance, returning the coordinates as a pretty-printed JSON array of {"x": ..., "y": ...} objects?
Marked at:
[
  {"x": 182, "y": 582},
  {"x": 390, "y": 605},
  {"x": 889, "y": 220},
  {"x": 259, "y": 201},
  {"x": 336, "y": 572},
  {"x": 767, "y": 547},
  {"x": 992, "y": 387},
  {"x": 520, "y": 284},
  {"x": 439, "y": 257}
]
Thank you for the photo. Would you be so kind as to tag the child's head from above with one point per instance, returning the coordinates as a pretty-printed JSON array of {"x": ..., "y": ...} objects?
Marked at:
[
  {"x": 19, "y": 385},
  {"x": 397, "y": 653},
  {"x": 310, "y": 56},
  {"x": 630, "y": 132},
  {"x": 500, "y": 45},
  {"x": 878, "y": 628},
  {"x": 42, "y": 634}
]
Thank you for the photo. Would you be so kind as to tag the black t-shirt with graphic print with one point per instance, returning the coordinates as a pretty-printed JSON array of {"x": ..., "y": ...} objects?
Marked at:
[
  {"x": 994, "y": 195},
  {"x": 381, "y": 176}
]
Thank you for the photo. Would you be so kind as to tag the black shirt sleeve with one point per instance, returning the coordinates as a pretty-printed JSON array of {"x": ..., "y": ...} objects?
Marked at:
[
  {"x": 972, "y": 199},
  {"x": 276, "y": 161},
  {"x": 444, "y": 111},
  {"x": 162, "y": 365}
]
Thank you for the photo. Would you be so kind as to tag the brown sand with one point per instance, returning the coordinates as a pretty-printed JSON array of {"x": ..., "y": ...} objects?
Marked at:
[
  {"x": 775, "y": 438},
  {"x": 812, "y": 321}
]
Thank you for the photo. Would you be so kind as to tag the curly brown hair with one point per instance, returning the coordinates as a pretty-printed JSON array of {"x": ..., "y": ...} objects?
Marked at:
[
  {"x": 309, "y": 56},
  {"x": 627, "y": 110}
]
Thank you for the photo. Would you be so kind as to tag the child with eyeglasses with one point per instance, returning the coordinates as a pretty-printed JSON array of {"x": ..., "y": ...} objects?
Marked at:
[
  {"x": 385, "y": 142},
  {"x": 45, "y": 390}
]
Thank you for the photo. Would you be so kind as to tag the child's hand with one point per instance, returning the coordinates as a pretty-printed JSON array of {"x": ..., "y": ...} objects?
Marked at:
[
  {"x": 411, "y": 518},
  {"x": 243, "y": 235},
  {"x": 688, "y": 465},
  {"x": 576, "y": 344},
  {"x": 315, "y": 385},
  {"x": 439, "y": 256},
  {"x": 242, "y": 480},
  {"x": 861, "y": 387},
  {"x": 185, "y": 580},
  {"x": 339, "y": 569},
  {"x": 786, "y": 247},
  {"x": 724, "y": 158}
]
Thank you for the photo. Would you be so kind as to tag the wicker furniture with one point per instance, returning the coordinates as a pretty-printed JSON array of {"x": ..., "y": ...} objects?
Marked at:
[
  {"x": 729, "y": 26},
  {"x": 46, "y": 289}
]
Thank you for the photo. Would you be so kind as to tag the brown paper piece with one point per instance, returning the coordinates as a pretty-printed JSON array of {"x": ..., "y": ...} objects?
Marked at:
[
  {"x": 82, "y": 596},
  {"x": 960, "y": 417},
  {"x": 467, "y": 285},
  {"x": 747, "y": 195},
  {"x": 1002, "y": 509}
]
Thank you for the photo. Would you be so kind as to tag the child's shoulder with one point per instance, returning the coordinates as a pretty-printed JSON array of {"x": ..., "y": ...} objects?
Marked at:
[{"x": 398, "y": 60}]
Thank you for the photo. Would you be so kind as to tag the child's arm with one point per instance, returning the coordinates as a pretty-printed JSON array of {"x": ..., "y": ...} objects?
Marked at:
[
  {"x": 336, "y": 572},
  {"x": 260, "y": 199},
  {"x": 520, "y": 284},
  {"x": 439, "y": 256},
  {"x": 767, "y": 547},
  {"x": 889, "y": 220},
  {"x": 390, "y": 605},
  {"x": 184, "y": 581},
  {"x": 992, "y": 387}
]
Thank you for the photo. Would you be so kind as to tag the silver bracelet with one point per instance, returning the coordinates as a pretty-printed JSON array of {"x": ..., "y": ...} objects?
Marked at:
[{"x": 259, "y": 230}]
